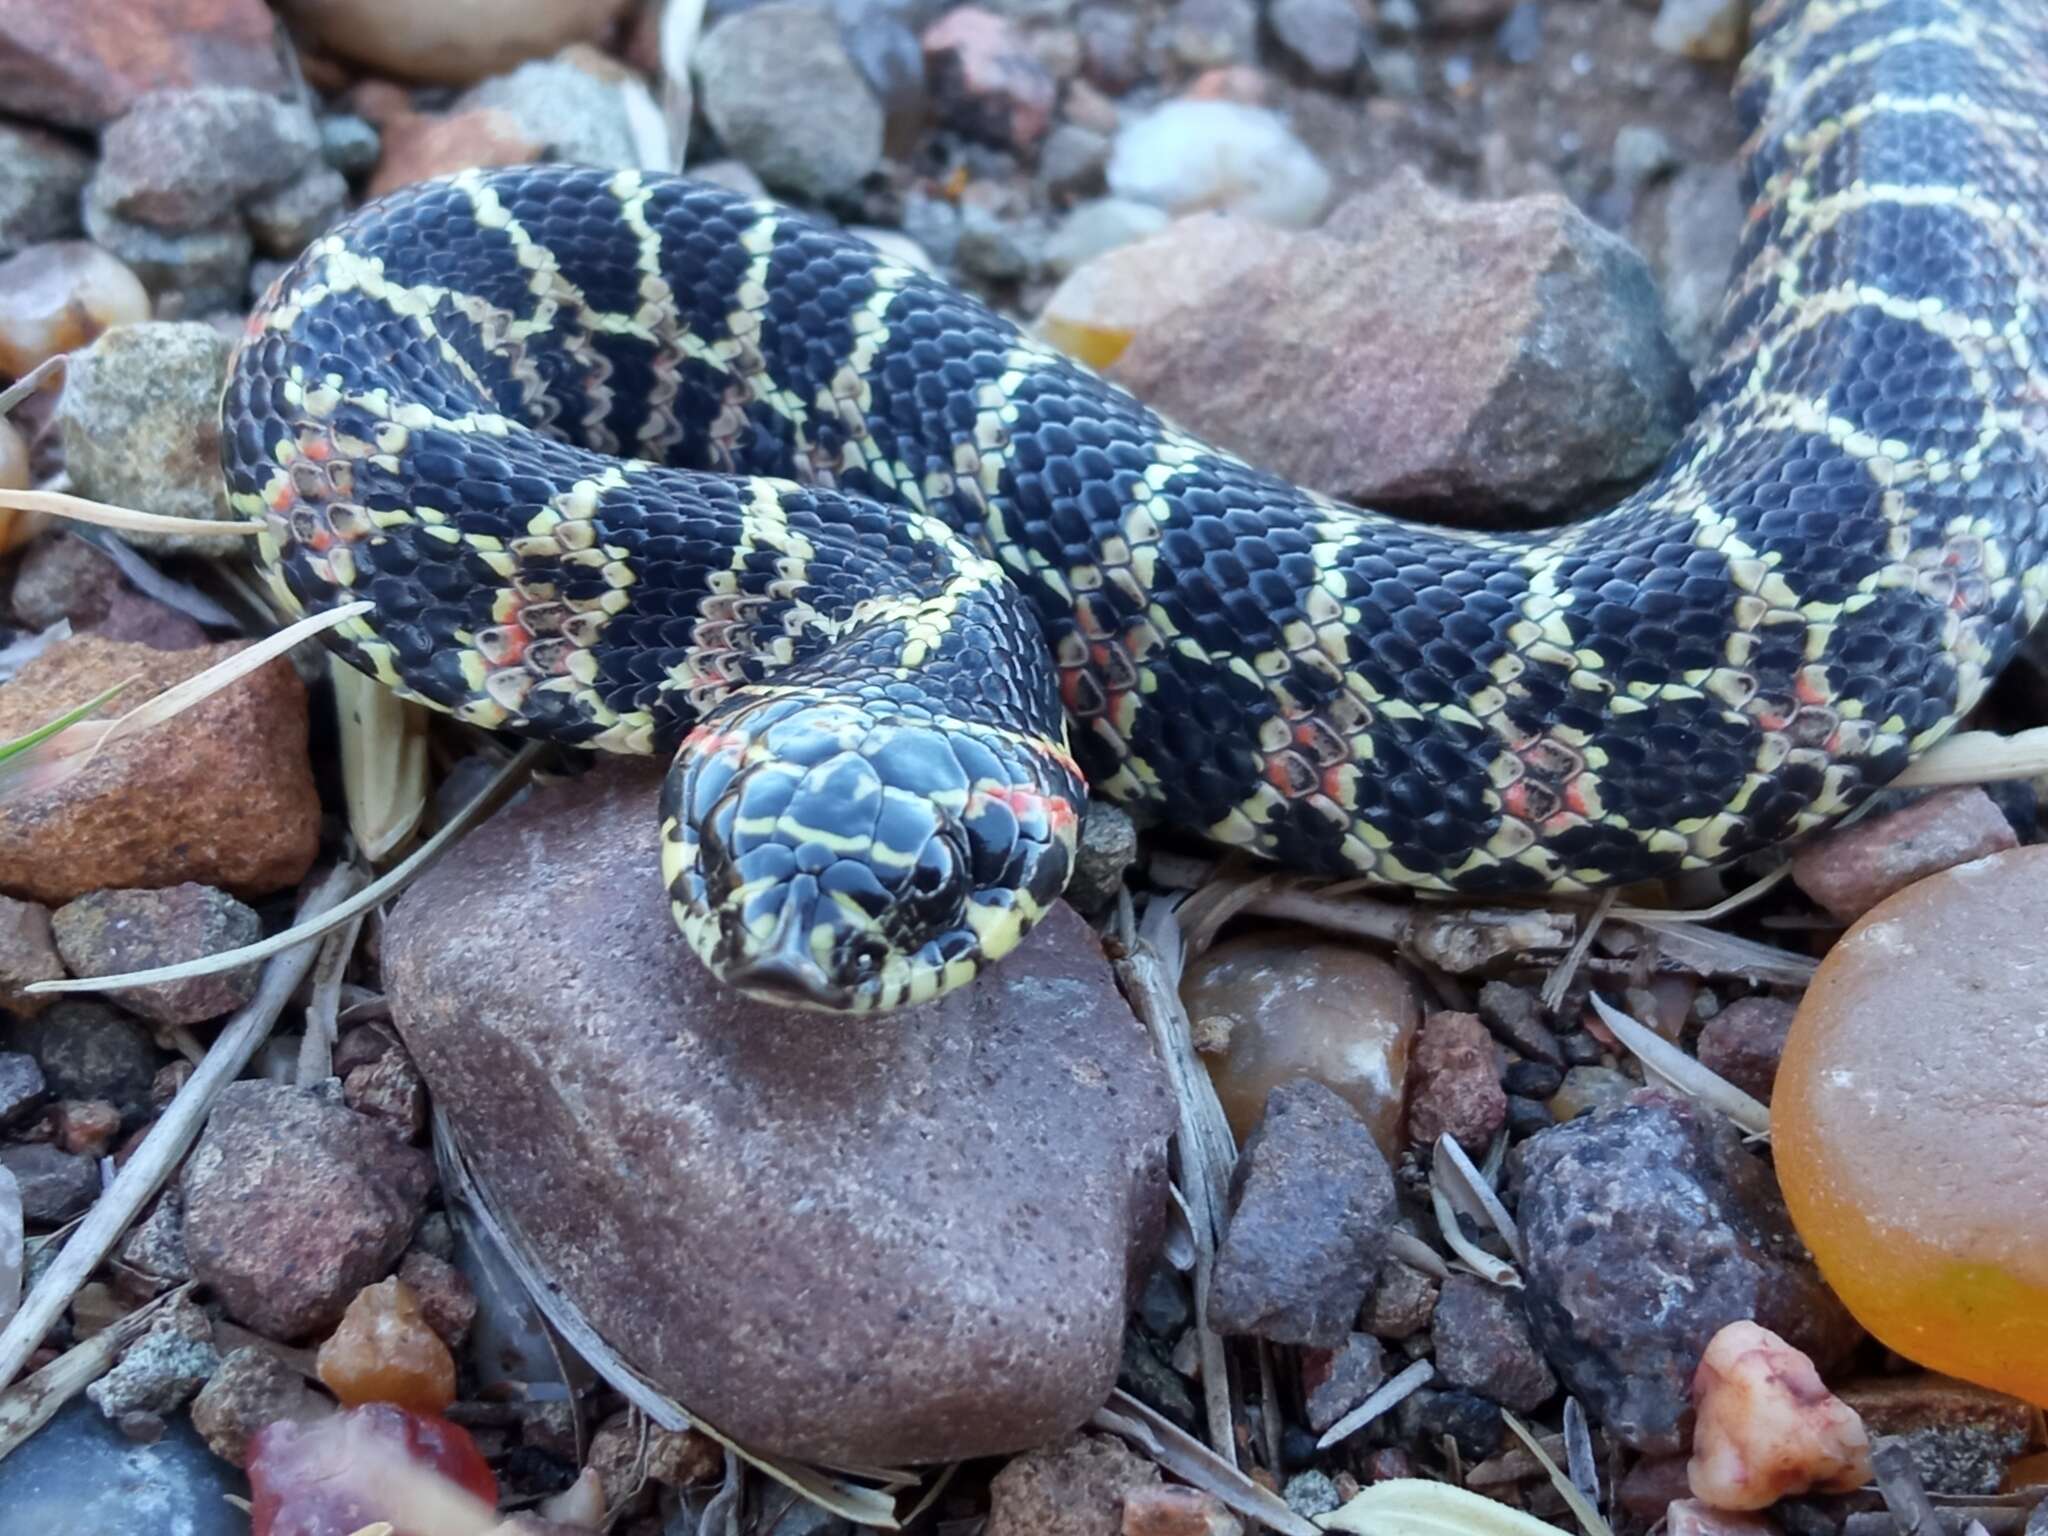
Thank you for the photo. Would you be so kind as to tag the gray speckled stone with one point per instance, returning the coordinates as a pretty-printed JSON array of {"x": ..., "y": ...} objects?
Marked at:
[
  {"x": 780, "y": 91},
  {"x": 912, "y": 1238},
  {"x": 79, "y": 1473}
]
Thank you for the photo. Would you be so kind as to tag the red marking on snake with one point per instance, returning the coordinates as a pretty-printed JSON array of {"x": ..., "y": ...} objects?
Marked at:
[
  {"x": 1022, "y": 800},
  {"x": 1806, "y": 692},
  {"x": 711, "y": 741}
]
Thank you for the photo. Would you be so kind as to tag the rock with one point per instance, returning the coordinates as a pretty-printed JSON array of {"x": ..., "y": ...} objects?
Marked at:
[
  {"x": 1210, "y": 34},
  {"x": 1851, "y": 869},
  {"x": 777, "y": 87},
  {"x": 445, "y": 1297},
  {"x": 1175, "y": 1511},
  {"x": 252, "y": 1388},
  {"x": 21, "y": 1085},
  {"x": 90, "y": 1050},
  {"x": 627, "y": 1452},
  {"x": 1107, "y": 848},
  {"x": 187, "y": 275},
  {"x": 1767, "y": 1428},
  {"x": 82, "y": 64},
  {"x": 55, "y": 1186},
  {"x": 41, "y": 178},
  {"x": 1286, "y": 1005},
  {"x": 1090, "y": 229},
  {"x": 1112, "y": 47},
  {"x": 85, "y": 1126},
  {"x": 1073, "y": 159},
  {"x": 1311, "y": 1203},
  {"x": 1453, "y": 1088},
  {"x": 79, "y": 1473},
  {"x": 1458, "y": 15},
  {"x": 161, "y": 1370},
  {"x": 1483, "y": 1344},
  {"x": 1076, "y": 1487},
  {"x": 181, "y": 161},
  {"x": 1744, "y": 1041},
  {"x": 987, "y": 82},
  {"x": 61, "y": 576},
  {"x": 1960, "y": 1437},
  {"x": 1499, "y": 360},
  {"x": 220, "y": 795},
  {"x": 419, "y": 147},
  {"x": 1310, "y": 1494},
  {"x": 108, "y": 932},
  {"x": 13, "y": 1246},
  {"x": 1648, "y": 1228},
  {"x": 632, "y": 1107},
  {"x": 28, "y": 953},
  {"x": 452, "y": 42},
  {"x": 389, "y": 1091},
  {"x": 1326, "y": 37},
  {"x": 1188, "y": 156},
  {"x": 998, "y": 249},
  {"x": 140, "y": 423},
  {"x": 571, "y": 112},
  {"x": 350, "y": 144},
  {"x": 152, "y": 1256},
  {"x": 1337, "y": 1381},
  {"x": 1515, "y": 1015},
  {"x": 288, "y": 220},
  {"x": 1589, "y": 1088},
  {"x": 1710, "y": 30},
  {"x": 57, "y": 297},
  {"x": 1474, "y": 1422},
  {"x": 293, "y": 1204},
  {"x": 1402, "y": 1303},
  {"x": 1692, "y": 242}
]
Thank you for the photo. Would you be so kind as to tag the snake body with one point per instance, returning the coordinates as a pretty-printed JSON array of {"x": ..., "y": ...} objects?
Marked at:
[{"x": 631, "y": 462}]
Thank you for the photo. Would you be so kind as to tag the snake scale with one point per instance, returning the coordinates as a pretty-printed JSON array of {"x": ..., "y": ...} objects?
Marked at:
[{"x": 631, "y": 462}]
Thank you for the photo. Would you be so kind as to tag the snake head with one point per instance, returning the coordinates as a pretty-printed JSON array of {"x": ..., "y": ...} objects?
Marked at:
[{"x": 819, "y": 857}]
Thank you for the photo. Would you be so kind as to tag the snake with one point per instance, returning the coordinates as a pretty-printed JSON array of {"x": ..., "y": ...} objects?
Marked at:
[{"x": 631, "y": 462}]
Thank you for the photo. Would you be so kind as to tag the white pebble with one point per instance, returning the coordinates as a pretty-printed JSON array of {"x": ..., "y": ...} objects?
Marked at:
[{"x": 1190, "y": 155}]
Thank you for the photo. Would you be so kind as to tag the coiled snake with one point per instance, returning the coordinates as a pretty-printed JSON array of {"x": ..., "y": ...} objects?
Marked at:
[{"x": 627, "y": 461}]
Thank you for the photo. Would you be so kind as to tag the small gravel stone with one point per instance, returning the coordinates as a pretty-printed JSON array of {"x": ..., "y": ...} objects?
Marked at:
[
  {"x": 21, "y": 1085},
  {"x": 161, "y": 1370},
  {"x": 288, "y": 220},
  {"x": 191, "y": 274},
  {"x": 1219, "y": 155},
  {"x": 1532, "y": 1079},
  {"x": 55, "y": 1185},
  {"x": 1312, "y": 1200},
  {"x": 28, "y": 954},
  {"x": 88, "y": 1049},
  {"x": 1744, "y": 1041},
  {"x": 85, "y": 1126},
  {"x": 1326, "y": 37},
  {"x": 41, "y": 178},
  {"x": 349, "y": 143},
  {"x": 777, "y": 87},
  {"x": 61, "y": 576},
  {"x": 1483, "y": 1344},
  {"x": 446, "y": 1299},
  {"x": 1515, "y": 1015},
  {"x": 293, "y": 1204},
  {"x": 1474, "y": 1422},
  {"x": 568, "y": 110},
  {"x": 152, "y": 1255},
  {"x": 391, "y": 1092},
  {"x": 1073, "y": 1487},
  {"x": 1648, "y": 1228},
  {"x": 1073, "y": 160},
  {"x": 1528, "y": 1117},
  {"x": 1709, "y": 30},
  {"x": 1960, "y": 1436},
  {"x": 106, "y": 933},
  {"x": 1177, "y": 1511},
  {"x": 1852, "y": 869},
  {"x": 985, "y": 79},
  {"x": 252, "y": 1388},
  {"x": 57, "y": 297},
  {"x": 1091, "y": 228},
  {"x": 995, "y": 248},
  {"x": 184, "y": 161},
  {"x": 1453, "y": 1088},
  {"x": 1105, "y": 852},
  {"x": 1337, "y": 1381},
  {"x": 1310, "y": 1494},
  {"x": 1402, "y": 1302},
  {"x": 1112, "y": 46},
  {"x": 1210, "y": 34}
]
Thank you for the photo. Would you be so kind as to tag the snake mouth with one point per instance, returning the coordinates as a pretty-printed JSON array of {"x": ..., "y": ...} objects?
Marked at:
[{"x": 790, "y": 981}]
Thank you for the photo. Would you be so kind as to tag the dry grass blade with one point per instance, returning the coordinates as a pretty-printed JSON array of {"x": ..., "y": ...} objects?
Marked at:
[
  {"x": 1978, "y": 757},
  {"x": 463, "y": 1185},
  {"x": 165, "y": 1143},
  {"x": 79, "y": 510},
  {"x": 1559, "y": 981},
  {"x": 1683, "y": 1072},
  {"x": 1483, "y": 1264},
  {"x": 1416, "y": 1254},
  {"x": 1591, "y": 1521},
  {"x": 1390, "y": 1394},
  {"x": 502, "y": 783},
  {"x": 27, "y": 1407},
  {"x": 383, "y": 760},
  {"x": 323, "y": 1003},
  {"x": 31, "y": 381},
  {"x": 1578, "y": 1451},
  {"x": 1711, "y": 952},
  {"x": 681, "y": 21},
  {"x": 1194, "y": 1463},
  {"x": 1733, "y": 902},
  {"x": 1414, "y": 1506},
  {"x": 1458, "y": 1168}
]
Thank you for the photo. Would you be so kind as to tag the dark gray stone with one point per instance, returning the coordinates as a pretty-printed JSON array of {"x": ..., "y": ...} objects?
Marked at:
[
  {"x": 79, "y": 1473},
  {"x": 109, "y": 933},
  {"x": 1483, "y": 1343},
  {"x": 41, "y": 177},
  {"x": 183, "y": 161},
  {"x": 55, "y": 1186},
  {"x": 89, "y": 1050}
]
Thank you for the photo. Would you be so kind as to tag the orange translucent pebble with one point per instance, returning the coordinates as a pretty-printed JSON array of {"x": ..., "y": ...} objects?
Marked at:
[
  {"x": 1910, "y": 1122},
  {"x": 385, "y": 1351}
]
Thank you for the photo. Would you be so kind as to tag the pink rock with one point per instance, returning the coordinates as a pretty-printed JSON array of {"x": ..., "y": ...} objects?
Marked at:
[
  {"x": 1767, "y": 1426},
  {"x": 986, "y": 78},
  {"x": 1453, "y": 1088},
  {"x": 83, "y": 63},
  {"x": 1851, "y": 870}
]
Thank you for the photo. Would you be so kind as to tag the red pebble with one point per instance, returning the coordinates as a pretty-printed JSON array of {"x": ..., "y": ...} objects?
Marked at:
[{"x": 323, "y": 1478}]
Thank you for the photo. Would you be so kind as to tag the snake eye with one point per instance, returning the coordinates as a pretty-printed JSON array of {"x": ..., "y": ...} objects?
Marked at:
[{"x": 864, "y": 957}]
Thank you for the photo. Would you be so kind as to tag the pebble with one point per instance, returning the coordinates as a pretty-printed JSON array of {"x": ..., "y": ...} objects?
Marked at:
[
  {"x": 140, "y": 419},
  {"x": 88, "y": 1049},
  {"x": 28, "y": 953},
  {"x": 83, "y": 63},
  {"x": 21, "y": 1085},
  {"x": 79, "y": 1473},
  {"x": 293, "y": 1204},
  {"x": 777, "y": 87},
  {"x": 390, "y": 1091},
  {"x": 85, "y": 1126},
  {"x": 1496, "y": 360},
  {"x": 182, "y": 161},
  {"x": 1766, "y": 1426},
  {"x": 162, "y": 1370},
  {"x": 1312, "y": 1200},
  {"x": 1209, "y": 34},
  {"x": 252, "y": 1387},
  {"x": 1589, "y": 1088},
  {"x": 151, "y": 1258},
  {"x": 1283, "y": 1005},
  {"x": 55, "y": 1186},
  {"x": 837, "y": 1151},
  {"x": 41, "y": 179},
  {"x": 1326, "y": 37},
  {"x": 997, "y": 249},
  {"x": 107, "y": 932},
  {"x": 1712, "y": 31},
  {"x": 350, "y": 144},
  {"x": 1691, "y": 1517},
  {"x": 445, "y": 1298},
  {"x": 1073, "y": 160},
  {"x": 1472, "y": 1421},
  {"x": 62, "y": 576},
  {"x": 1692, "y": 241},
  {"x": 220, "y": 795},
  {"x": 1744, "y": 1041},
  {"x": 451, "y": 42},
  {"x": 196, "y": 274},
  {"x": 570, "y": 111},
  {"x": 1453, "y": 1087},
  {"x": 288, "y": 220},
  {"x": 1189, "y": 156},
  {"x": 1402, "y": 1302},
  {"x": 1089, "y": 229},
  {"x": 1851, "y": 869},
  {"x": 1106, "y": 851},
  {"x": 420, "y": 146},
  {"x": 986, "y": 81},
  {"x": 57, "y": 297},
  {"x": 1908, "y": 1129},
  {"x": 1112, "y": 47},
  {"x": 1073, "y": 1487},
  {"x": 1483, "y": 1345},
  {"x": 1310, "y": 1494},
  {"x": 1337, "y": 1381},
  {"x": 627, "y": 1452},
  {"x": 385, "y": 1351},
  {"x": 1176, "y": 1511},
  {"x": 1515, "y": 1015},
  {"x": 1647, "y": 1228},
  {"x": 1962, "y": 1439},
  {"x": 13, "y": 1247}
]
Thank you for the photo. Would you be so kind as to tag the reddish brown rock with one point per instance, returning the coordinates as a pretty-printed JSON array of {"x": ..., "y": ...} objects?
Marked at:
[
  {"x": 418, "y": 146},
  {"x": 252, "y": 1388},
  {"x": 1851, "y": 870},
  {"x": 943, "y": 1209},
  {"x": 1075, "y": 1487},
  {"x": 1744, "y": 1041},
  {"x": 83, "y": 63},
  {"x": 86, "y": 1127},
  {"x": 446, "y": 1299},
  {"x": 389, "y": 1090},
  {"x": 452, "y": 42},
  {"x": 987, "y": 80},
  {"x": 107, "y": 933},
  {"x": 28, "y": 953},
  {"x": 222, "y": 795},
  {"x": 1453, "y": 1088},
  {"x": 1175, "y": 1511},
  {"x": 1483, "y": 1345}
]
